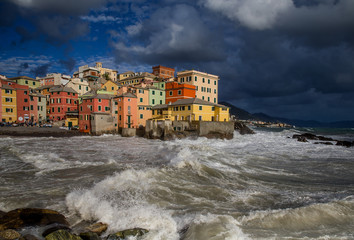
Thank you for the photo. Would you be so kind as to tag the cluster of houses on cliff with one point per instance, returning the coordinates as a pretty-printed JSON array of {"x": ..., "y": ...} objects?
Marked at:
[{"x": 97, "y": 99}]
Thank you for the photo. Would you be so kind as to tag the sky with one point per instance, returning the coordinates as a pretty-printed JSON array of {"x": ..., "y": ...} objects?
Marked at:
[{"x": 285, "y": 58}]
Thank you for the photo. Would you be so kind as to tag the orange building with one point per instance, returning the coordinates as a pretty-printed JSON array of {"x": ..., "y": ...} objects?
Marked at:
[
  {"x": 127, "y": 110},
  {"x": 163, "y": 72},
  {"x": 176, "y": 91}
]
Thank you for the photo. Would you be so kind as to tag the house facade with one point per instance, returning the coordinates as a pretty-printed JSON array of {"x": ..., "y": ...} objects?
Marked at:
[
  {"x": 206, "y": 84},
  {"x": 24, "y": 80},
  {"x": 61, "y": 100},
  {"x": 54, "y": 79},
  {"x": 8, "y": 104},
  {"x": 163, "y": 72},
  {"x": 192, "y": 109},
  {"x": 80, "y": 85},
  {"x": 127, "y": 110},
  {"x": 176, "y": 91}
]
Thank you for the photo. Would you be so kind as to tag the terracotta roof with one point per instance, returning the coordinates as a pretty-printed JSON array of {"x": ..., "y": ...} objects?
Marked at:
[
  {"x": 160, "y": 106},
  {"x": 7, "y": 87},
  {"x": 100, "y": 96}
]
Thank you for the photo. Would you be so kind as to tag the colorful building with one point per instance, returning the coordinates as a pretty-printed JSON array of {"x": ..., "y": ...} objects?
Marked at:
[
  {"x": 206, "y": 84},
  {"x": 80, "y": 85},
  {"x": 100, "y": 105},
  {"x": 24, "y": 80},
  {"x": 107, "y": 73},
  {"x": 110, "y": 86},
  {"x": 144, "y": 109},
  {"x": 192, "y": 109},
  {"x": 125, "y": 75},
  {"x": 61, "y": 100},
  {"x": 156, "y": 96},
  {"x": 8, "y": 104},
  {"x": 41, "y": 101},
  {"x": 176, "y": 91},
  {"x": 163, "y": 72},
  {"x": 1, "y": 100},
  {"x": 138, "y": 78},
  {"x": 127, "y": 110},
  {"x": 54, "y": 79}
]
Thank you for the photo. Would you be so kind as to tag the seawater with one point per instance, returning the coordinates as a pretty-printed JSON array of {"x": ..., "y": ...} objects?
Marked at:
[{"x": 261, "y": 186}]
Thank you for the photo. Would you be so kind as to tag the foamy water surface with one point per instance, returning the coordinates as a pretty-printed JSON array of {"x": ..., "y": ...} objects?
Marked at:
[{"x": 262, "y": 186}]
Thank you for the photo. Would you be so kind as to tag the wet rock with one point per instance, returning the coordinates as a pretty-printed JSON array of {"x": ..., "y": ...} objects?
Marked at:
[
  {"x": 23, "y": 217},
  {"x": 322, "y": 138},
  {"x": 123, "y": 235},
  {"x": 9, "y": 234},
  {"x": 344, "y": 143},
  {"x": 28, "y": 237},
  {"x": 62, "y": 235},
  {"x": 325, "y": 143},
  {"x": 55, "y": 228},
  {"x": 89, "y": 236},
  {"x": 2, "y": 214},
  {"x": 98, "y": 228},
  {"x": 302, "y": 139},
  {"x": 183, "y": 232},
  {"x": 242, "y": 128}
]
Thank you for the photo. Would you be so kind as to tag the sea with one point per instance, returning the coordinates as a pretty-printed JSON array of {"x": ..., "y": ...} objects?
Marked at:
[{"x": 261, "y": 186}]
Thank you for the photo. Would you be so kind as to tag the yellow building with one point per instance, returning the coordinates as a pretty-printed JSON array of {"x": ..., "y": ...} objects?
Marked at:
[
  {"x": 206, "y": 84},
  {"x": 125, "y": 75},
  {"x": 110, "y": 86},
  {"x": 9, "y": 104},
  {"x": 24, "y": 80},
  {"x": 192, "y": 109}
]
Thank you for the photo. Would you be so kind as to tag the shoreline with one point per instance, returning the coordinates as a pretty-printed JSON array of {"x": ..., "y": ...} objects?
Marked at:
[{"x": 39, "y": 132}]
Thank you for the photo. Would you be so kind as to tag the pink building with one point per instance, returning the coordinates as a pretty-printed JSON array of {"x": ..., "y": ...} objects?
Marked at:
[
  {"x": 127, "y": 110},
  {"x": 61, "y": 100},
  {"x": 100, "y": 103}
]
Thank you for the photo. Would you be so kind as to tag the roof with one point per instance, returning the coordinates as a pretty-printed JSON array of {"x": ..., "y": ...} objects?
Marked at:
[
  {"x": 44, "y": 87},
  {"x": 192, "y": 101},
  {"x": 23, "y": 77},
  {"x": 7, "y": 87},
  {"x": 160, "y": 106},
  {"x": 128, "y": 72},
  {"x": 99, "y": 96},
  {"x": 59, "y": 88},
  {"x": 128, "y": 94}
]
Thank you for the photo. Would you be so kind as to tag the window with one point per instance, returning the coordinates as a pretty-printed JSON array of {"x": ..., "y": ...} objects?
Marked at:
[
  {"x": 33, "y": 83},
  {"x": 153, "y": 92},
  {"x": 141, "y": 116},
  {"x": 160, "y": 101},
  {"x": 120, "y": 117},
  {"x": 214, "y": 100},
  {"x": 129, "y": 99},
  {"x": 182, "y": 108},
  {"x": 68, "y": 94},
  {"x": 9, "y": 110},
  {"x": 112, "y": 88},
  {"x": 8, "y": 99},
  {"x": 153, "y": 101},
  {"x": 160, "y": 93},
  {"x": 99, "y": 108},
  {"x": 81, "y": 108},
  {"x": 200, "y": 118},
  {"x": 203, "y": 80},
  {"x": 162, "y": 85},
  {"x": 106, "y": 108},
  {"x": 171, "y": 93},
  {"x": 26, "y": 100},
  {"x": 7, "y": 91},
  {"x": 208, "y": 81},
  {"x": 189, "y": 107},
  {"x": 212, "y": 108},
  {"x": 215, "y": 83},
  {"x": 52, "y": 110},
  {"x": 26, "y": 82},
  {"x": 195, "y": 78},
  {"x": 25, "y": 92},
  {"x": 68, "y": 109},
  {"x": 31, "y": 98},
  {"x": 200, "y": 108},
  {"x": 203, "y": 97},
  {"x": 99, "y": 100},
  {"x": 79, "y": 87},
  {"x": 179, "y": 92},
  {"x": 86, "y": 88},
  {"x": 141, "y": 99},
  {"x": 58, "y": 109},
  {"x": 208, "y": 99},
  {"x": 32, "y": 107},
  {"x": 215, "y": 91}
]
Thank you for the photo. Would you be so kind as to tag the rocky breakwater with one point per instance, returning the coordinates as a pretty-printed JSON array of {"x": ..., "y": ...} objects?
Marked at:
[
  {"x": 305, "y": 137},
  {"x": 242, "y": 128},
  {"x": 38, "y": 224}
]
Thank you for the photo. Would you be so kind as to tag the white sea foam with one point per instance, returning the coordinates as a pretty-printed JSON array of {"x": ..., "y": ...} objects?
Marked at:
[{"x": 120, "y": 201}]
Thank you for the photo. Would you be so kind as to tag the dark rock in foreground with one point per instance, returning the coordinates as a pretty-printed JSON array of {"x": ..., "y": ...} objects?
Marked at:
[
  {"x": 24, "y": 217},
  {"x": 242, "y": 128},
  {"x": 135, "y": 232},
  {"x": 98, "y": 228},
  {"x": 326, "y": 141},
  {"x": 62, "y": 235},
  {"x": 89, "y": 236}
]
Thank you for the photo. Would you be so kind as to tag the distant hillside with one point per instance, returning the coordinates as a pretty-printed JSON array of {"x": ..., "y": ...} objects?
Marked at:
[{"x": 244, "y": 115}]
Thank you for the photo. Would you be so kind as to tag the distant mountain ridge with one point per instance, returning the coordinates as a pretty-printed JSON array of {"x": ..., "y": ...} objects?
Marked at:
[{"x": 244, "y": 115}]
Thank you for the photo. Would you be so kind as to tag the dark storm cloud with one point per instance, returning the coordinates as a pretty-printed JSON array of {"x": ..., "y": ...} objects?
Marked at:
[
  {"x": 23, "y": 67},
  {"x": 69, "y": 64},
  {"x": 57, "y": 21},
  {"x": 41, "y": 70},
  {"x": 171, "y": 35}
]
